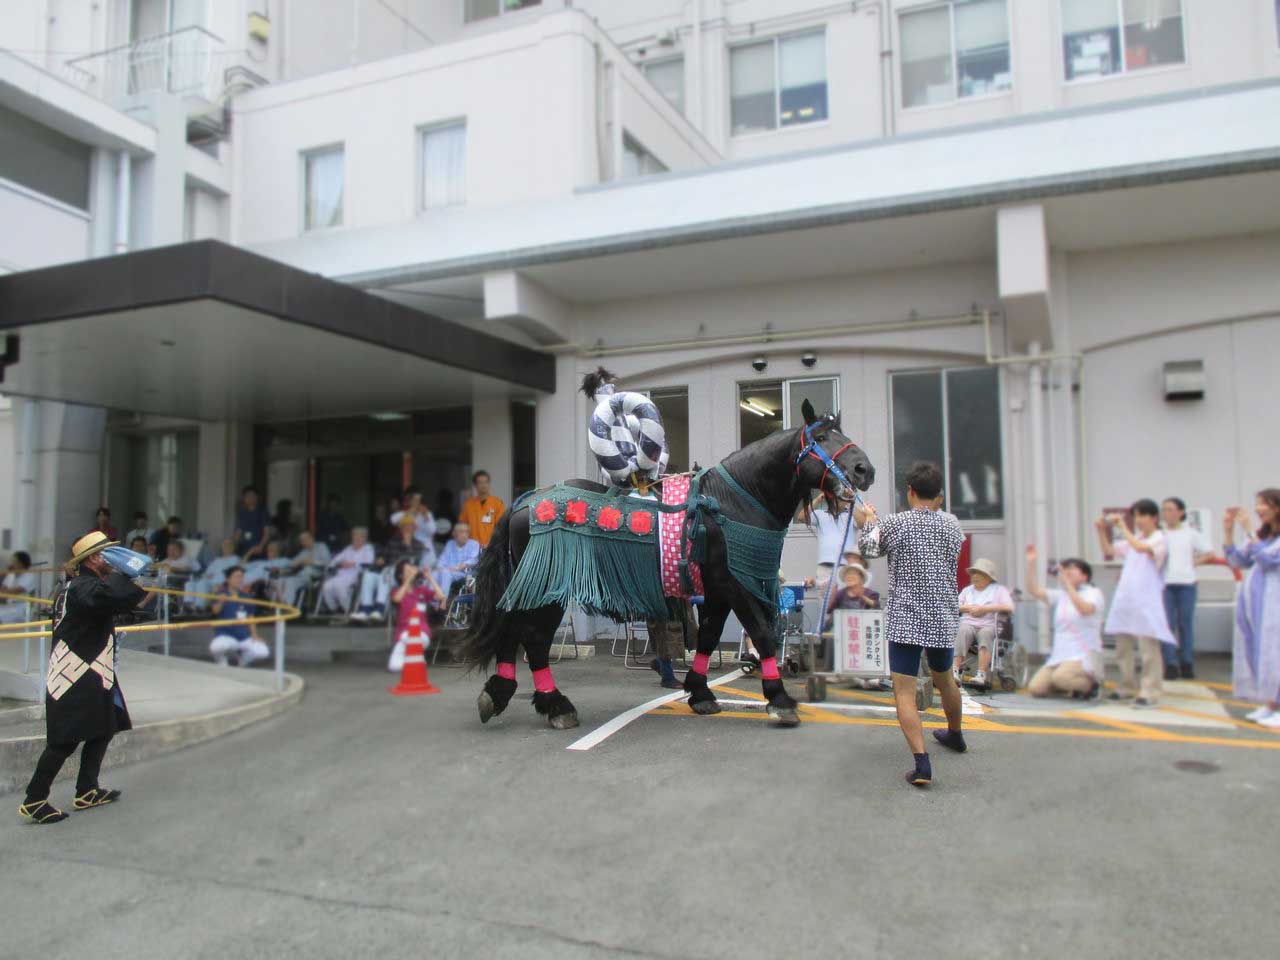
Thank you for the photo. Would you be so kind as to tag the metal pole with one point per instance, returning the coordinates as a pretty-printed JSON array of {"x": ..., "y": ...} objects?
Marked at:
[
  {"x": 164, "y": 618},
  {"x": 279, "y": 656},
  {"x": 1039, "y": 491}
]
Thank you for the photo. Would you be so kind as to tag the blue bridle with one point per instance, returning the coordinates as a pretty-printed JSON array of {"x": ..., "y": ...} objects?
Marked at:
[{"x": 809, "y": 447}]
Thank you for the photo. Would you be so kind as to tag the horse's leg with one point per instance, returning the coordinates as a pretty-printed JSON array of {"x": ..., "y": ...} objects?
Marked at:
[
  {"x": 547, "y": 700},
  {"x": 710, "y": 626},
  {"x": 760, "y": 627},
  {"x": 501, "y": 685}
]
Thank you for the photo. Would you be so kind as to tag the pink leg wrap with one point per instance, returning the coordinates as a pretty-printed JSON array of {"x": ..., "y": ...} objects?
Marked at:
[
  {"x": 700, "y": 663},
  {"x": 769, "y": 669},
  {"x": 542, "y": 681},
  {"x": 507, "y": 671}
]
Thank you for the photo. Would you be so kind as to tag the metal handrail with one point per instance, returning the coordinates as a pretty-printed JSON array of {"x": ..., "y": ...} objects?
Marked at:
[{"x": 181, "y": 62}]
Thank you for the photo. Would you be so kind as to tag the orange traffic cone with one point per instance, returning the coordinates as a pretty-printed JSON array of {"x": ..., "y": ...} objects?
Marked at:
[{"x": 413, "y": 676}]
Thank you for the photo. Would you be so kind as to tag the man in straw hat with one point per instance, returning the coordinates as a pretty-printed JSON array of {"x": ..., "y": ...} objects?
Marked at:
[{"x": 83, "y": 702}]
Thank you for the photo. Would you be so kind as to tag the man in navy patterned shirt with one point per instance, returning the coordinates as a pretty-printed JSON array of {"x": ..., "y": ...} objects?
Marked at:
[{"x": 922, "y": 612}]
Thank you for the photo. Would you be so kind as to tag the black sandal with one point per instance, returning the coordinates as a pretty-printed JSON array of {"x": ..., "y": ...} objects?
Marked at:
[
  {"x": 41, "y": 812},
  {"x": 97, "y": 797}
]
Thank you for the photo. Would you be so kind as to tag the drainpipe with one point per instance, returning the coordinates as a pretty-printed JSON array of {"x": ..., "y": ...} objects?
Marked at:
[
  {"x": 1039, "y": 493},
  {"x": 123, "y": 202},
  {"x": 695, "y": 71},
  {"x": 888, "y": 94},
  {"x": 26, "y": 476}
]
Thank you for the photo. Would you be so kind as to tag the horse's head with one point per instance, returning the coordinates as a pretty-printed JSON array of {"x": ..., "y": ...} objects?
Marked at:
[{"x": 830, "y": 462}]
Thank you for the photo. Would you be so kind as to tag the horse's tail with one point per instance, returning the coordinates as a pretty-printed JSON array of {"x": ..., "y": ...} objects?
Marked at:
[{"x": 481, "y": 642}]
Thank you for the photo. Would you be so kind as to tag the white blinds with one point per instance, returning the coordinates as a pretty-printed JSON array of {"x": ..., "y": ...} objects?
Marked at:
[
  {"x": 1151, "y": 13},
  {"x": 1079, "y": 16},
  {"x": 324, "y": 190},
  {"x": 444, "y": 165},
  {"x": 802, "y": 60},
  {"x": 751, "y": 70},
  {"x": 926, "y": 35},
  {"x": 981, "y": 24}
]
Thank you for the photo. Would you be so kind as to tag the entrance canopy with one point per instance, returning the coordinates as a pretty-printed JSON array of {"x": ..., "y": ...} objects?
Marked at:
[{"x": 209, "y": 331}]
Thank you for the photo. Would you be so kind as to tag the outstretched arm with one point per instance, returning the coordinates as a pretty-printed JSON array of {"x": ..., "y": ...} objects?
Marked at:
[{"x": 1033, "y": 582}]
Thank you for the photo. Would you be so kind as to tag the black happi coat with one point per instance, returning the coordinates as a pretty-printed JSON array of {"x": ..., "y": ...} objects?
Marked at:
[{"x": 90, "y": 706}]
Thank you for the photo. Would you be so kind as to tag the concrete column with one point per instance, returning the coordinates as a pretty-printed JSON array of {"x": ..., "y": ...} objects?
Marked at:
[
  {"x": 159, "y": 182},
  {"x": 561, "y": 421},
  {"x": 226, "y": 467},
  {"x": 103, "y": 184},
  {"x": 59, "y": 452},
  {"x": 1022, "y": 260},
  {"x": 491, "y": 447}
]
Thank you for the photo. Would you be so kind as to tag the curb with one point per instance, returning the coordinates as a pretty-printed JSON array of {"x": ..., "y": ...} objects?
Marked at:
[{"x": 19, "y": 754}]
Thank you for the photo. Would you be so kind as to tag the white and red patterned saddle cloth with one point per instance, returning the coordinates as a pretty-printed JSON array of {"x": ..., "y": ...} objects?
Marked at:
[{"x": 675, "y": 491}]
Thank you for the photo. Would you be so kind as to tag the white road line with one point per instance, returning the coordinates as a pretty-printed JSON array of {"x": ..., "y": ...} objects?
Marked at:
[{"x": 607, "y": 730}]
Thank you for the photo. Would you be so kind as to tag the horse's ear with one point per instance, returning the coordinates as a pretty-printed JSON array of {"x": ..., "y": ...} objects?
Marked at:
[{"x": 806, "y": 411}]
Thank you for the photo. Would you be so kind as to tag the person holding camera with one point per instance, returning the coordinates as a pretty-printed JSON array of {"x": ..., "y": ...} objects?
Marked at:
[{"x": 416, "y": 590}]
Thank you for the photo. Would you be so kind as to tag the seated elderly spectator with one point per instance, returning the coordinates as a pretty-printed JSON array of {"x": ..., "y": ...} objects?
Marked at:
[
  {"x": 177, "y": 567},
  {"x": 335, "y": 595},
  {"x": 1075, "y": 661},
  {"x": 140, "y": 529},
  {"x": 375, "y": 586},
  {"x": 855, "y": 592},
  {"x": 981, "y": 602},
  {"x": 160, "y": 539},
  {"x": 235, "y": 638},
  {"x": 214, "y": 575},
  {"x": 257, "y": 573},
  {"x": 18, "y": 581},
  {"x": 458, "y": 556},
  {"x": 306, "y": 566}
]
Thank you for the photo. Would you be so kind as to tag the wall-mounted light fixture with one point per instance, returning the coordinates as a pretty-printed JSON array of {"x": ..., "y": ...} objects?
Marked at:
[{"x": 1184, "y": 380}]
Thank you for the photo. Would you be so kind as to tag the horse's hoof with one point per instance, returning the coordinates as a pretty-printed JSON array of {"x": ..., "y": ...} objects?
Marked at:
[
  {"x": 705, "y": 707},
  {"x": 784, "y": 716},
  {"x": 564, "y": 721},
  {"x": 487, "y": 707}
]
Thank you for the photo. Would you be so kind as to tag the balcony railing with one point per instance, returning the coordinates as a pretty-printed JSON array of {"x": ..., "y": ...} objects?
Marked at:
[{"x": 188, "y": 63}]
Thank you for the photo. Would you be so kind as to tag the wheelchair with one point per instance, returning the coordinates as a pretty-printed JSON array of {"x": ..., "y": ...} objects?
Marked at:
[
  {"x": 462, "y": 601},
  {"x": 1010, "y": 668},
  {"x": 792, "y": 657}
]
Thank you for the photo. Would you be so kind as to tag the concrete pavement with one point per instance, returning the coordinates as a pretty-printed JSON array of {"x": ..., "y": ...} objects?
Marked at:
[{"x": 362, "y": 825}]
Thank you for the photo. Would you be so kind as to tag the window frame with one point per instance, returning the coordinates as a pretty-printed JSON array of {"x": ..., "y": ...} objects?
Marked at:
[
  {"x": 785, "y": 383},
  {"x": 955, "y": 62},
  {"x": 776, "y": 39},
  {"x": 304, "y": 158},
  {"x": 1124, "y": 70},
  {"x": 644, "y": 67},
  {"x": 988, "y": 523},
  {"x": 502, "y": 12},
  {"x": 421, "y": 132}
]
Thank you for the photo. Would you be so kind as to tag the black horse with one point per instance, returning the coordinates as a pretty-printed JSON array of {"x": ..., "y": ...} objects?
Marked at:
[{"x": 779, "y": 472}]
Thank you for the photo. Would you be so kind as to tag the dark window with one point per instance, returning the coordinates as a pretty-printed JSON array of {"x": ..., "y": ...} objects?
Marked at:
[{"x": 40, "y": 159}]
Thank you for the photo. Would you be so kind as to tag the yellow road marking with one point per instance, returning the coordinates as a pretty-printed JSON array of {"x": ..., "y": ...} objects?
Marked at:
[
  {"x": 1242, "y": 724},
  {"x": 1117, "y": 729}
]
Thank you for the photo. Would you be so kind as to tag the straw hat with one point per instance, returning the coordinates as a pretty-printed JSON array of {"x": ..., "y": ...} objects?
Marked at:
[
  {"x": 985, "y": 567},
  {"x": 88, "y": 545},
  {"x": 866, "y": 574}
]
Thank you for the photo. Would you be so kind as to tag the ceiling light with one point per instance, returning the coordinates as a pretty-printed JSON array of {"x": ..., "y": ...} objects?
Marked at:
[
  {"x": 758, "y": 407},
  {"x": 750, "y": 409},
  {"x": 389, "y": 416}
]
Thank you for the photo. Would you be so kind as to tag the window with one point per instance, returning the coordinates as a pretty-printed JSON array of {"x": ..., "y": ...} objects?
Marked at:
[
  {"x": 444, "y": 165},
  {"x": 959, "y": 49},
  {"x": 673, "y": 404},
  {"x": 323, "y": 202},
  {"x": 951, "y": 417},
  {"x": 637, "y": 161},
  {"x": 474, "y": 10},
  {"x": 779, "y": 82},
  {"x": 767, "y": 406},
  {"x": 1094, "y": 32},
  {"x": 668, "y": 77}
]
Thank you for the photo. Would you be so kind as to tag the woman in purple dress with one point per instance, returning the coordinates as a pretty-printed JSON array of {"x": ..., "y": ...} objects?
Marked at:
[{"x": 1256, "y": 661}]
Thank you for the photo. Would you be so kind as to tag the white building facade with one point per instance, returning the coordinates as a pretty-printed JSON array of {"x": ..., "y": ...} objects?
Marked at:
[{"x": 980, "y": 229}]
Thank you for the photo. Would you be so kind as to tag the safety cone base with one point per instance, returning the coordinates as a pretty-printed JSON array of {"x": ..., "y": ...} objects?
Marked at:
[{"x": 409, "y": 690}]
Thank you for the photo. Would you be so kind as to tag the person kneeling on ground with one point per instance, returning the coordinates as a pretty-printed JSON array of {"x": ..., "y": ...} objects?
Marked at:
[
  {"x": 922, "y": 612},
  {"x": 980, "y": 604},
  {"x": 416, "y": 589},
  {"x": 1075, "y": 662},
  {"x": 240, "y": 639}
]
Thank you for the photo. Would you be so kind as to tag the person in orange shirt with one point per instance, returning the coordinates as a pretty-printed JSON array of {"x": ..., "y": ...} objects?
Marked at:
[{"x": 482, "y": 511}]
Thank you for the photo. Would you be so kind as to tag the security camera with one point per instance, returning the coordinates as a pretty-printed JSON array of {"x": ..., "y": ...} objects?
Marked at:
[
  {"x": 759, "y": 364},
  {"x": 810, "y": 360}
]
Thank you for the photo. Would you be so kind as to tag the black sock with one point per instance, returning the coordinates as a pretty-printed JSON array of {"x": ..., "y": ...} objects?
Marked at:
[
  {"x": 952, "y": 739},
  {"x": 922, "y": 764}
]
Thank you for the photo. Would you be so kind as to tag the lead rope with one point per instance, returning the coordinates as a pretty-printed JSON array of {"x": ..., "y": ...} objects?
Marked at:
[{"x": 826, "y": 596}]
